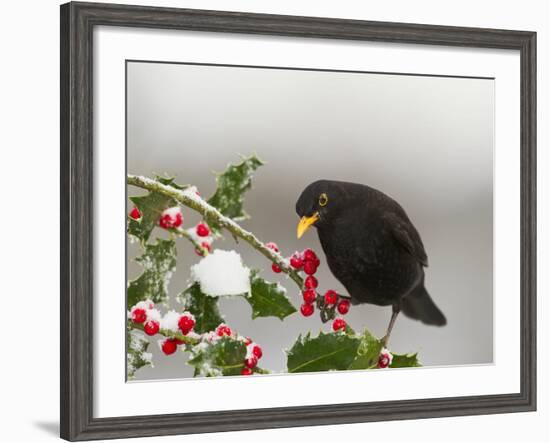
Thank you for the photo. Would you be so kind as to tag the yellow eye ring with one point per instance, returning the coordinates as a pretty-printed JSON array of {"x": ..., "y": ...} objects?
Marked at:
[{"x": 323, "y": 199}]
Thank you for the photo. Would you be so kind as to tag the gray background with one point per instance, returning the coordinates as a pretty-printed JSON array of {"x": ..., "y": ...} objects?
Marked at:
[{"x": 425, "y": 141}]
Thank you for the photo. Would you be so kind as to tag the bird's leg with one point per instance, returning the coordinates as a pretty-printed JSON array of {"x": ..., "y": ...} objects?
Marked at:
[{"x": 395, "y": 312}]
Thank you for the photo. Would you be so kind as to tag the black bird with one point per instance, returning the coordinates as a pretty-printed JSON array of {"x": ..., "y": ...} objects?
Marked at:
[{"x": 371, "y": 247}]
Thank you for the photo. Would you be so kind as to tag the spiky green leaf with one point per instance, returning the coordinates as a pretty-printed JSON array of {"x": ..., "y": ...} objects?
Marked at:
[
  {"x": 268, "y": 299},
  {"x": 223, "y": 357},
  {"x": 405, "y": 361},
  {"x": 203, "y": 307},
  {"x": 333, "y": 351},
  {"x": 137, "y": 356},
  {"x": 231, "y": 186},
  {"x": 158, "y": 262},
  {"x": 367, "y": 352}
]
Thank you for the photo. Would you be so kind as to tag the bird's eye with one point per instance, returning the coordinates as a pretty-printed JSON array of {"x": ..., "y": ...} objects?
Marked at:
[{"x": 323, "y": 199}]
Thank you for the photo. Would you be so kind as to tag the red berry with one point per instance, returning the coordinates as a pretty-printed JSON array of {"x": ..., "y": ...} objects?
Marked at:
[
  {"x": 139, "y": 315},
  {"x": 257, "y": 352},
  {"x": 186, "y": 324},
  {"x": 251, "y": 362},
  {"x": 135, "y": 213},
  {"x": 309, "y": 296},
  {"x": 310, "y": 268},
  {"x": 307, "y": 309},
  {"x": 296, "y": 261},
  {"x": 339, "y": 324},
  {"x": 246, "y": 371},
  {"x": 272, "y": 246},
  {"x": 178, "y": 341},
  {"x": 343, "y": 307},
  {"x": 202, "y": 230},
  {"x": 206, "y": 246},
  {"x": 331, "y": 297},
  {"x": 383, "y": 361},
  {"x": 169, "y": 346},
  {"x": 222, "y": 330},
  {"x": 247, "y": 341},
  {"x": 275, "y": 268},
  {"x": 311, "y": 282},
  {"x": 151, "y": 327},
  {"x": 171, "y": 218},
  {"x": 309, "y": 255}
]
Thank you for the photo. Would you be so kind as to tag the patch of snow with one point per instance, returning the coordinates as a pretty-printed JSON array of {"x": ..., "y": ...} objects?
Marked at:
[
  {"x": 194, "y": 335},
  {"x": 222, "y": 273},
  {"x": 172, "y": 212},
  {"x": 153, "y": 315},
  {"x": 170, "y": 321}
]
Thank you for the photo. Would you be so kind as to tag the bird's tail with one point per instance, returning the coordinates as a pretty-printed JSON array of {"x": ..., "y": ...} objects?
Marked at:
[{"x": 420, "y": 306}]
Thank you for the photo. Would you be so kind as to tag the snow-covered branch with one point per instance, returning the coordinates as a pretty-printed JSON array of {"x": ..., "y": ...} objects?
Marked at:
[{"x": 189, "y": 197}]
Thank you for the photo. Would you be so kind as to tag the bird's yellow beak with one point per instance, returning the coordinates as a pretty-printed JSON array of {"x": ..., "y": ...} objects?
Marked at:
[{"x": 305, "y": 223}]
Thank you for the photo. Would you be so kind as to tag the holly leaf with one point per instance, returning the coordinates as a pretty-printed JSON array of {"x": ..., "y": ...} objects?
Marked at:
[
  {"x": 203, "y": 307},
  {"x": 368, "y": 352},
  {"x": 223, "y": 357},
  {"x": 405, "y": 361},
  {"x": 232, "y": 184},
  {"x": 136, "y": 355},
  {"x": 170, "y": 181},
  {"x": 151, "y": 207},
  {"x": 268, "y": 299},
  {"x": 332, "y": 351},
  {"x": 158, "y": 262}
]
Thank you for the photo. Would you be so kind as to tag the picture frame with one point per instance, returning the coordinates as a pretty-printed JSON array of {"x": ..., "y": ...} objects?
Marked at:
[{"x": 78, "y": 21}]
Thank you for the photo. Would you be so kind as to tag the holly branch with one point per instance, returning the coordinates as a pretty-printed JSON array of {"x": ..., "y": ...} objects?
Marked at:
[{"x": 189, "y": 198}]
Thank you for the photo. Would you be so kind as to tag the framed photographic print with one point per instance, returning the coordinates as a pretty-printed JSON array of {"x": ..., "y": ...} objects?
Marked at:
[{"x": 272, "y": 221}]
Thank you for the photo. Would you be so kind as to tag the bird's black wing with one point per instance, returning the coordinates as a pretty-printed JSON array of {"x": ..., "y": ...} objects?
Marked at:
[{"x": 406, "y": 235}]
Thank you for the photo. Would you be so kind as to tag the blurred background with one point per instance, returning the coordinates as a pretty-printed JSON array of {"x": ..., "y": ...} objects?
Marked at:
[{"x": 425, "y": 141}]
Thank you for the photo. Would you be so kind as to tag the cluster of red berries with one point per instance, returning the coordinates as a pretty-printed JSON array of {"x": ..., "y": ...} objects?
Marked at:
[
  {"x": 308, "y": 262},
  {"x": 253, "y": 354},
  {"x": 145, "y": 313},
  {"x": 186, "y": 323},
  {"x": 172, "y": 218},
  {"x": 202, "y": 230},
  {"x": 169, "y": 219}
]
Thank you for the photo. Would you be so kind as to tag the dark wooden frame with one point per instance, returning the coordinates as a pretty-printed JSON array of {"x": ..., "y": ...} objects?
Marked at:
[{"x": 77, "y": 24}]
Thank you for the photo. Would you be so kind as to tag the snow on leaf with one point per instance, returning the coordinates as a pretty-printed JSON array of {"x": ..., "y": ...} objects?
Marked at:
[
  {"x": 367, "y": 352},
  {"x": 322, "y": 353},
  {"x": 222, "y": 273},
  {"x": 151, "y": 206},
  {"x": 136, "y": 355},
  {"x": 232, "y": 184},
  {"x": 268, "y": 299},
  {"x": 222, "y": 357},
  {"x": 158, "y": 262},
  {"x": 203, "y": 307},
  {"x": 405, "y": 361}
]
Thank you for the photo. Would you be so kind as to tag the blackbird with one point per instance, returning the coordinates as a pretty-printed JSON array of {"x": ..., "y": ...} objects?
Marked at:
[{"x": 371, "y": 247}]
